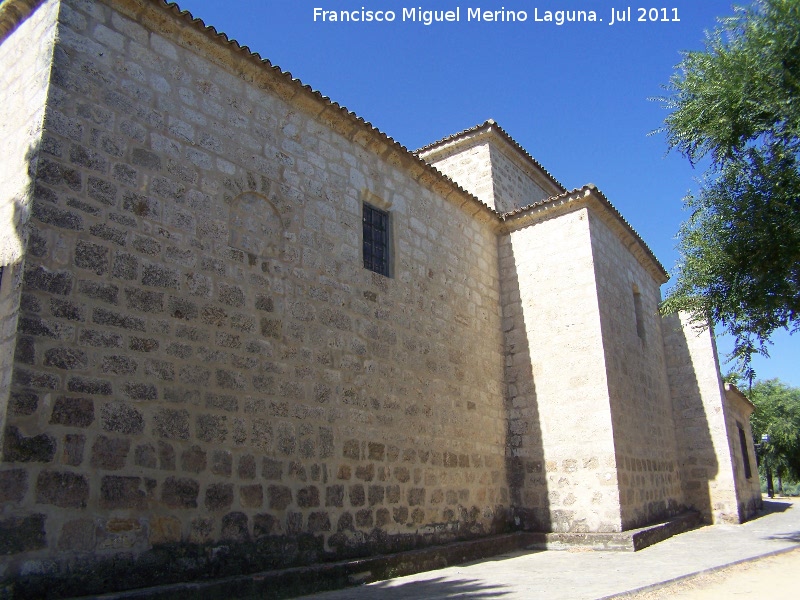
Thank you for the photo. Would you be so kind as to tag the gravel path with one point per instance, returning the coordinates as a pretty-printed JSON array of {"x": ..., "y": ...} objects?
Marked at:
[{"x": 776, "y": 576}]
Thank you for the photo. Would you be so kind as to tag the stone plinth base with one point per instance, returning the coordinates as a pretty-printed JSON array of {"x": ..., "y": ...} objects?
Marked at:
[
  {"x": 288, "y": 583},
  {"x": 631, "y": 540}
]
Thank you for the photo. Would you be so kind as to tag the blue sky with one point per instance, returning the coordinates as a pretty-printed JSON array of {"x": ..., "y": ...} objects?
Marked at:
[{"x": 576, "y": 96}]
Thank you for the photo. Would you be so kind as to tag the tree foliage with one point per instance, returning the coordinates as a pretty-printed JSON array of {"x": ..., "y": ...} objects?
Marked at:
[
  {"x": 777, "y": 415},
  {"x": 737, "y": 103}
]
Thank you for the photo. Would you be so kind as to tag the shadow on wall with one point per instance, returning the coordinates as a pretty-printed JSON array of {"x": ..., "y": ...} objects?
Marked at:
[
  {"x": 697, "y": 458},
  {"x": 13, "y": 232},
  {"x": 525, "y": 464}
]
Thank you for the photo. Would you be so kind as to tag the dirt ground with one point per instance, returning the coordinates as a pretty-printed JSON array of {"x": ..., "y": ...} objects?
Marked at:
[{"x": 775, "y": 576}]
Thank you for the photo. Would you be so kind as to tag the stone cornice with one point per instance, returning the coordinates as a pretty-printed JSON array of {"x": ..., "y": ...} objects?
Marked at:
[
  {"x": 510, "y": 148},
  {"x": 588, "y": 196},
  {"x": 732, "y": 392},
  {"x": 183, "y": 29}
]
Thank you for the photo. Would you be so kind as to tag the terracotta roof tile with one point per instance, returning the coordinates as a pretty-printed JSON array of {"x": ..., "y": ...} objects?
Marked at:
[
  {"x": 13, "y": 12},
  {"x": 357, "y": 121},
  {"x": 221, "y": 37},
  {"x": 582, "y": 192},
  {"x": 729, "y": 387}
]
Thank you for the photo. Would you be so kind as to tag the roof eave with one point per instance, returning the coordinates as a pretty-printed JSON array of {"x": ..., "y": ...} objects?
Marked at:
[
  {"x": 589, "y": 194},
  {"x": 486, "y": 126},
  {"x": 285, "y": 85}
]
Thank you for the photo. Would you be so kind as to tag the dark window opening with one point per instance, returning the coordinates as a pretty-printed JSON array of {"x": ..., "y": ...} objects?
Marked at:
[
  {"x": 637, "y": 307},
  {"x": 748, "y": 473},
  {"x": 376, "y": 240}
]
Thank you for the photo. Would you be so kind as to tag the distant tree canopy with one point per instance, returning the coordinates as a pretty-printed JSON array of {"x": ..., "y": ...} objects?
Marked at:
[
  {"x": 737, "y": 103},
  {"x": 777, "y": 415}
]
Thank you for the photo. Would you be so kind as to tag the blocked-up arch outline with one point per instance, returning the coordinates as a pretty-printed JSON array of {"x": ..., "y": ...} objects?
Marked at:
[{"x": 255, "y": 226}]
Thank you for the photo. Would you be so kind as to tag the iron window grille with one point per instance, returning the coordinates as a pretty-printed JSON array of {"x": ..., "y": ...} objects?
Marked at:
[{"x": 376, "y": 240}]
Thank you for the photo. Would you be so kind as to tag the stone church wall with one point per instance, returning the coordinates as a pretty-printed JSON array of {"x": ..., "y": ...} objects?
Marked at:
[
  {"x": 644, "y": 432},
  {"x": 205, "y": 372},
  {"x": 199, "y": 378},
  {"x": 704, "y": 450},
  {"x": 23, "y": 87},
  {"x": 557, "y": 380},
  {"x": 470, "y": 164},
  {"x": 481, "y": 162},
  {"x": 740, "y": 438},
  {"x": 513, "y": 188}
]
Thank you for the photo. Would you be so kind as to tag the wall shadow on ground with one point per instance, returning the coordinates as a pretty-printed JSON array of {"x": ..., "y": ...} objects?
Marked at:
[
  {"x": 440, "y": 587},
  {"x": 793, "y": 536},
  {"x": 773, "y": 506}
]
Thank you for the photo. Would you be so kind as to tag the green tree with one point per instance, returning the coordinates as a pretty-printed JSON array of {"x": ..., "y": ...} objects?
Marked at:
[
  {"x": 737, "y": 104},
  {"x": 777, "y": 415}
]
